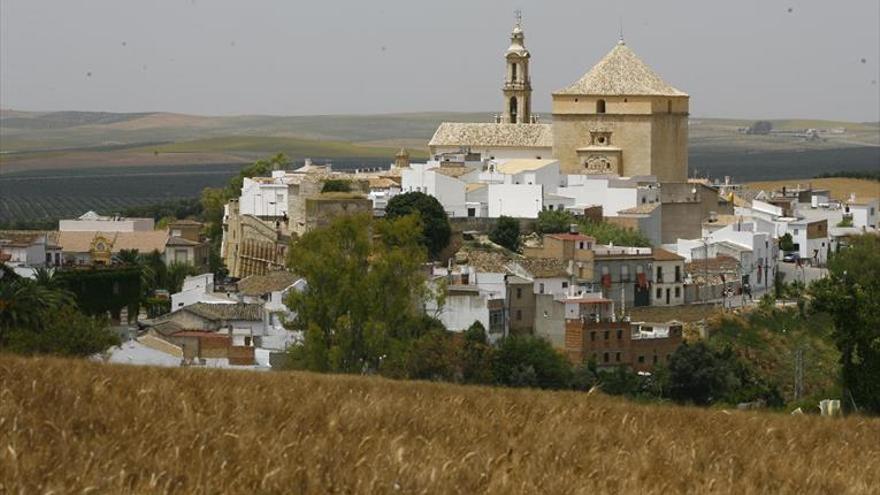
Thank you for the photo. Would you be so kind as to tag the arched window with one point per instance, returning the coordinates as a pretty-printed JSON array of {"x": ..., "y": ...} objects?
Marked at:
[
  {"x": 513, "y": 110},
  {"x": 600, "y": 106},
  {"x": 668, "y": 106},
  {"x": 513, "y": 72}
]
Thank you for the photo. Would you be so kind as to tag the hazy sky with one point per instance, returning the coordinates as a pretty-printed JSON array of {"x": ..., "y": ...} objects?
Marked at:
[{"x": 743, "y": 58}]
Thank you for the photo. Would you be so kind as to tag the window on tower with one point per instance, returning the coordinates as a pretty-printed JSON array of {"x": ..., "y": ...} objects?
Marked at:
[
  {"x": 513, "y": 72},
  {"x": 600, "y": 106},
  {"x": 513, "y": 110}
]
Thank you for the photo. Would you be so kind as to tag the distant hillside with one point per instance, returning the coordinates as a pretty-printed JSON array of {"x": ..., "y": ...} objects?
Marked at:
[{"x": 74, "y": 426}]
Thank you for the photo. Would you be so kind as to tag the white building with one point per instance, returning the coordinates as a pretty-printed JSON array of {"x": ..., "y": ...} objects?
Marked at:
[
  {"x": 755, "y": 251},
  {"x": 264, "y": 196},
  {"x": 28, "y": 249},
  {"x": 863, "y": 212},
  {"x": 613, "y": 194},
  {"x": 198, "y": 289},
  {"x": 92, "y": 222},
  {"x": 446, "y": 183}
]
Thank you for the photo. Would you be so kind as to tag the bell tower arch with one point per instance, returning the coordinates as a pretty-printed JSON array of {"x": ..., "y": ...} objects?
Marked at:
[{"x": 517, "y": 88}]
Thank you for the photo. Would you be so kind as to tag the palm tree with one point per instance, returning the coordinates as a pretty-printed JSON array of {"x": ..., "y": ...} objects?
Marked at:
[
  {"x": 25, "y": 303},
  {"x": 128, "y": 257}
]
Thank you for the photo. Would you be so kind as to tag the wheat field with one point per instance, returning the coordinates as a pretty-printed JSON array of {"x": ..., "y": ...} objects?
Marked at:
[{"x": 79, "y": 427}]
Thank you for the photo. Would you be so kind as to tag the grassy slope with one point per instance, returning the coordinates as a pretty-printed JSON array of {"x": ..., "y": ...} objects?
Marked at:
[
  {"x": 73, "y": 426},
  {"x": 291, "y": 146},
  {"x": 840, "y": 188}
]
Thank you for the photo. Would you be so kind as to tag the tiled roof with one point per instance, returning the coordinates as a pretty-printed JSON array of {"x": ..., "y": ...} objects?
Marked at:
[
  {"x": 485, "y": 260},
  {"x": 257, "y": 285},
  {"x": 621, "y": 73},
  {"x": 493, "y": 135},
  {"x": 518, "y": 165},
  {"x": 454, "y": 172},
  {"x": 661, "y": 254},
  {"x": 217, "y": 312},
  {"x": 640, "y": 209},
  {"x": 180, "y": 241},
  {"x": 572, "y": 237},
  {"x": 544, "y": 267},
  {"x": 144, "y": 242}
]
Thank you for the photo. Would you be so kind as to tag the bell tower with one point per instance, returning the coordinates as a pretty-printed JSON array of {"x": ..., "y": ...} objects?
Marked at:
[{"x": 517, "y": 85}]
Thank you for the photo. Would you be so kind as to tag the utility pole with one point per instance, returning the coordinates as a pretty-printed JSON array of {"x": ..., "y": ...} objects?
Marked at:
[{"x": 798, "y": 374}]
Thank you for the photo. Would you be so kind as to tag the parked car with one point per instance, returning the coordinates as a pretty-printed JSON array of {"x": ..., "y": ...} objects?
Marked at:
[{"x": 790, "y": 258}]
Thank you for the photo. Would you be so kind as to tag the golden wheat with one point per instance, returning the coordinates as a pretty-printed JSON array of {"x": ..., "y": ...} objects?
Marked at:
[{"x": 71, "y": 426}]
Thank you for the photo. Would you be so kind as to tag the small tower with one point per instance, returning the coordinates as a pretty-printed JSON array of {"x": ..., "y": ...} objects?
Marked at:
[
  {"x": 517, "y": 85},
  {"x": 401, "y": 159}
]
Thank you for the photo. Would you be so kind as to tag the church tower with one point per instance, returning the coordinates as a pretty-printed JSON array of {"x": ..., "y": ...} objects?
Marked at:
[{"x": 517, "y": 85}]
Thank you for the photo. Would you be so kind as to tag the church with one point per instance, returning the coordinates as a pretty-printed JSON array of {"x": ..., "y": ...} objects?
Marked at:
[{"x": 620, "y": 118}]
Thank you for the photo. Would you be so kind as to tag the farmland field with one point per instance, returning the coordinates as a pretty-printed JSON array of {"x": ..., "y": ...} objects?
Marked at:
[
  {"x": 60, "y": 164},
  {"x": 79, "y": 427}
]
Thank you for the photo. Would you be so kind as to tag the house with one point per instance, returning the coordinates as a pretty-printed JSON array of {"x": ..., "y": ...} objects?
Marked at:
[
  {"x": 187, "y": 245},
  {"x": 99, "y": 248},
  {"x": 684, "y": 207},
  {"x": 863, "y": 212},
  {"x": 572, "y": 248},
  {"x": 475, "y": 290},
  {"x": 624, "y": 274},
  {"x": 708, "y": 279},
  {"x": 199, "y": 289},
  {"x": 668, "y": 287},
  {"x": 521, "y": 305},
  {"x": 271, "y": 290},
  {"x": 445, "y": 181},
  {"x": 31, "y": 249}
]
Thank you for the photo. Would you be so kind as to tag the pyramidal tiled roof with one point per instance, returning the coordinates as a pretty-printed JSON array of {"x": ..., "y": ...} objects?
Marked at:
[{"x": 621, "y": 72}]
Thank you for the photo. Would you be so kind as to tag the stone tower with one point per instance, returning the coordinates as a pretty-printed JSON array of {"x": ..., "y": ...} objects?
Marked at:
[
  {"x": 401, "y": 159},
  {"x": 621, "y": 118},
  {"x": 517, "y": 85}
]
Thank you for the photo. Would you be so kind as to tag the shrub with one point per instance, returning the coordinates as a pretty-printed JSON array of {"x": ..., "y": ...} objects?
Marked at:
[
  {"x": 506, "y": 233},
  {"x": 553, "y": 221},
  {"x": 434, "y": 221},
  {"x": 530, "y": 361}
]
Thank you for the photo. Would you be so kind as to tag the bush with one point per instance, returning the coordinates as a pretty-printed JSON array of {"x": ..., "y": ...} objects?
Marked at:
[
  {"x": 65, "y": 332},
  {"x": 530, "y": 362},
  {"x": 609, "y": 233},
  {"x": 336, "y": 185},
  {"x": 553, "y": 221},
  {"x": 506, "y": 233}
]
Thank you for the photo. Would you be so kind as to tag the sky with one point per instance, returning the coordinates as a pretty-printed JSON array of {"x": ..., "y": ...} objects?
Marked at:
[{"x": 737, "y": 59}]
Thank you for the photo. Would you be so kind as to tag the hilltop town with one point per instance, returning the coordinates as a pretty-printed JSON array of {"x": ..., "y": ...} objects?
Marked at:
[{"x": 585, "y": 233}]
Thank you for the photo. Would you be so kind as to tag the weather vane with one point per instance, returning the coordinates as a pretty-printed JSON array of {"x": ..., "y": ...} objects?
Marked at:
[{"x": 518, "y": 14}]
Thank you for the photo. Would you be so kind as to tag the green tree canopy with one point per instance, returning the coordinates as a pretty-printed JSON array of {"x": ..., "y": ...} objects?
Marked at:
[
  {"x": 435, "y": 227},
  {"x": 526, "y": 361},
  {"x": 851, "y": 295},
  {"x": 365, "y": 286},
  {"x": 609, "y": 233},
  {"x": 553, "y": 221},
  {"x": 506, "y": 233}
]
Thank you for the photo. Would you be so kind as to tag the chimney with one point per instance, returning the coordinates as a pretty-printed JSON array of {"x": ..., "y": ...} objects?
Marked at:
[{"x": 573, "y": 228}]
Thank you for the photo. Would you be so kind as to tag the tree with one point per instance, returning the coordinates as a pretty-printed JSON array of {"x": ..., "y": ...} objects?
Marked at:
[
  {"x": 851, "y": 295},
  {"x": 476, "y": 355},
  {"x": 25, "y": 304},
  {"x": 553, "y": 221},
  {"x": 434, "y": 221},
  {"x": 699, "y": 375},
  {"x": 760, "y": 127},
  {"x": 64, "y": 331},
  {"x": 364, "y": 288},
  {"x": 526, "y": 361},
  {"x": 506, "y": 233},
  {"x": 609, "y": 233},
  {"x": 786, "y": 243}
]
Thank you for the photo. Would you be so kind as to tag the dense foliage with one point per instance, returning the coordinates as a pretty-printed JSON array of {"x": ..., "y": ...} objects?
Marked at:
[
  {"x": 553, "y": 221},
  {"x": 434, "y": 221},
  {"x": 851, "y": 295},
  {"x": 609, "y": 233},
  {"x": 336, "y": 185},
  {"x": 40, "y": 316},
  {"x": 506, "y": 233},
  {"x": 852, "y": 174}
]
